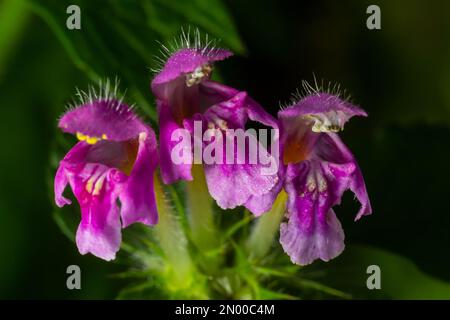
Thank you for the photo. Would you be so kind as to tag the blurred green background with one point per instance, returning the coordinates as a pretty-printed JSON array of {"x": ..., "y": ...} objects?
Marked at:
[{"x": 399, "y": 74}]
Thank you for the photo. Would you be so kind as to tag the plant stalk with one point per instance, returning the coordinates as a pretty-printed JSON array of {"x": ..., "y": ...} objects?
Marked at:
[
  {"x": 200, "y": 211},
  {"x": 266, "y": 228},
  {"x": 173, "y": 241}
]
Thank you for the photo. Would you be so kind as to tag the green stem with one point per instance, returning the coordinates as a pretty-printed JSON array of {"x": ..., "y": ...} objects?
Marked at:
[
  {"x": 173, "y": 241},
  {"x": 266, "y": 228},
  {"x": 200, "y": 210}
]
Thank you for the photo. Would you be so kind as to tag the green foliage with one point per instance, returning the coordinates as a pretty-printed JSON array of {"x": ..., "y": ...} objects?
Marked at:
[
  {"x": 400, "y": 278},
  {"x": 120, "y": 38}
]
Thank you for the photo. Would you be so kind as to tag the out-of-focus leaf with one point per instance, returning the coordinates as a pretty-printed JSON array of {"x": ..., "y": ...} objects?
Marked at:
[
  {"x": 120, "y": 38},
  {"x": 13, "y": 18},
  {"x": 210, "y": 15},
  {"x": 400, "y": 277}
]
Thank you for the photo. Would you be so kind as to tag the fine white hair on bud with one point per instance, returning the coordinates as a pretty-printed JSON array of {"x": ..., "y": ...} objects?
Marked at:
[
  {"x": 316, "y": 88},
  {"x": 105, "y": 90},
  {"x": 190, "y": 38}
]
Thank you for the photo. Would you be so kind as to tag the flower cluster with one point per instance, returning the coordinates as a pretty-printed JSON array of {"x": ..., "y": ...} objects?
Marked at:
[{"x": 111, "y": 170}]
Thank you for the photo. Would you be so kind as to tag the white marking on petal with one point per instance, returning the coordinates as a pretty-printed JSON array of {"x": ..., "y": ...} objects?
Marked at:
[
  {"x": 331, "y": 121},
  {"x": 99, "y": 184},
  {"x": 311, "y": 182},
  {"x": 197, "y": 76}
]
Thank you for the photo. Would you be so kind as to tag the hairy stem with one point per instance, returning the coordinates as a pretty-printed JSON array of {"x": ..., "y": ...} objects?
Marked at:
[{"x": 173, "y": 241}]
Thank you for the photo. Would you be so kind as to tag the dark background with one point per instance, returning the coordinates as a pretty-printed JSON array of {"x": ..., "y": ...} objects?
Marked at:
[{"x": 399, "y": 74}]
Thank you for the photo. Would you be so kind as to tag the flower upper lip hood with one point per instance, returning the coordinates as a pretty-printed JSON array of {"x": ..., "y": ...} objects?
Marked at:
[
  {"x": 115, "y": 159},
  {"x": 319, "y": 169},
  {"x": 322, "y": 103},
  {"x": 328, "y": 112},
  {"x": 182, "y": 62},
  {"x": 106, "y": 117}
]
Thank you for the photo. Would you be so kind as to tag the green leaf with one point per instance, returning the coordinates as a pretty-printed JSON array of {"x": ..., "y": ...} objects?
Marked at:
[
  {"x": 400, "y": 277},
  {"x": 210, "y": 15},
  {"x": 120, "y": 38}
]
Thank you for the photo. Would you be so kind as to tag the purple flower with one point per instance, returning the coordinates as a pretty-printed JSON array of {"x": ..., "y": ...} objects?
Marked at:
[
  {"x": 319, "y": 169},
  {"x": 185, "y": 93},
  {"x": 114, "y": 160}
]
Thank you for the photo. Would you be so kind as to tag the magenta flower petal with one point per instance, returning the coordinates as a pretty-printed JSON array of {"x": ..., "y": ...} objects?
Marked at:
[
  {"x": 61, "y": 182},
  {"x": 237, "y": 184},
  {"x": 75, "y": 156},
  {"x": 233, "y": 185},
  {"x": 138, "y": 197},
  {"x": 305, "y": 243},
  {"x": 99, "y": 230},
  {"x": 347, "y": 172},
  {"x": 312, "y": 231},
  {"x": 259, "y": 204},
  {"x": 103, "y": 118},
  {"x": 115, "y": 160},
  {"x": 235, "y": 108},
  {"x": 326, "y": 112},
  {"x": 170, "y": 171},
  {"x": 182, "y": 62},
  {"x": 320, "y": 168}
]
